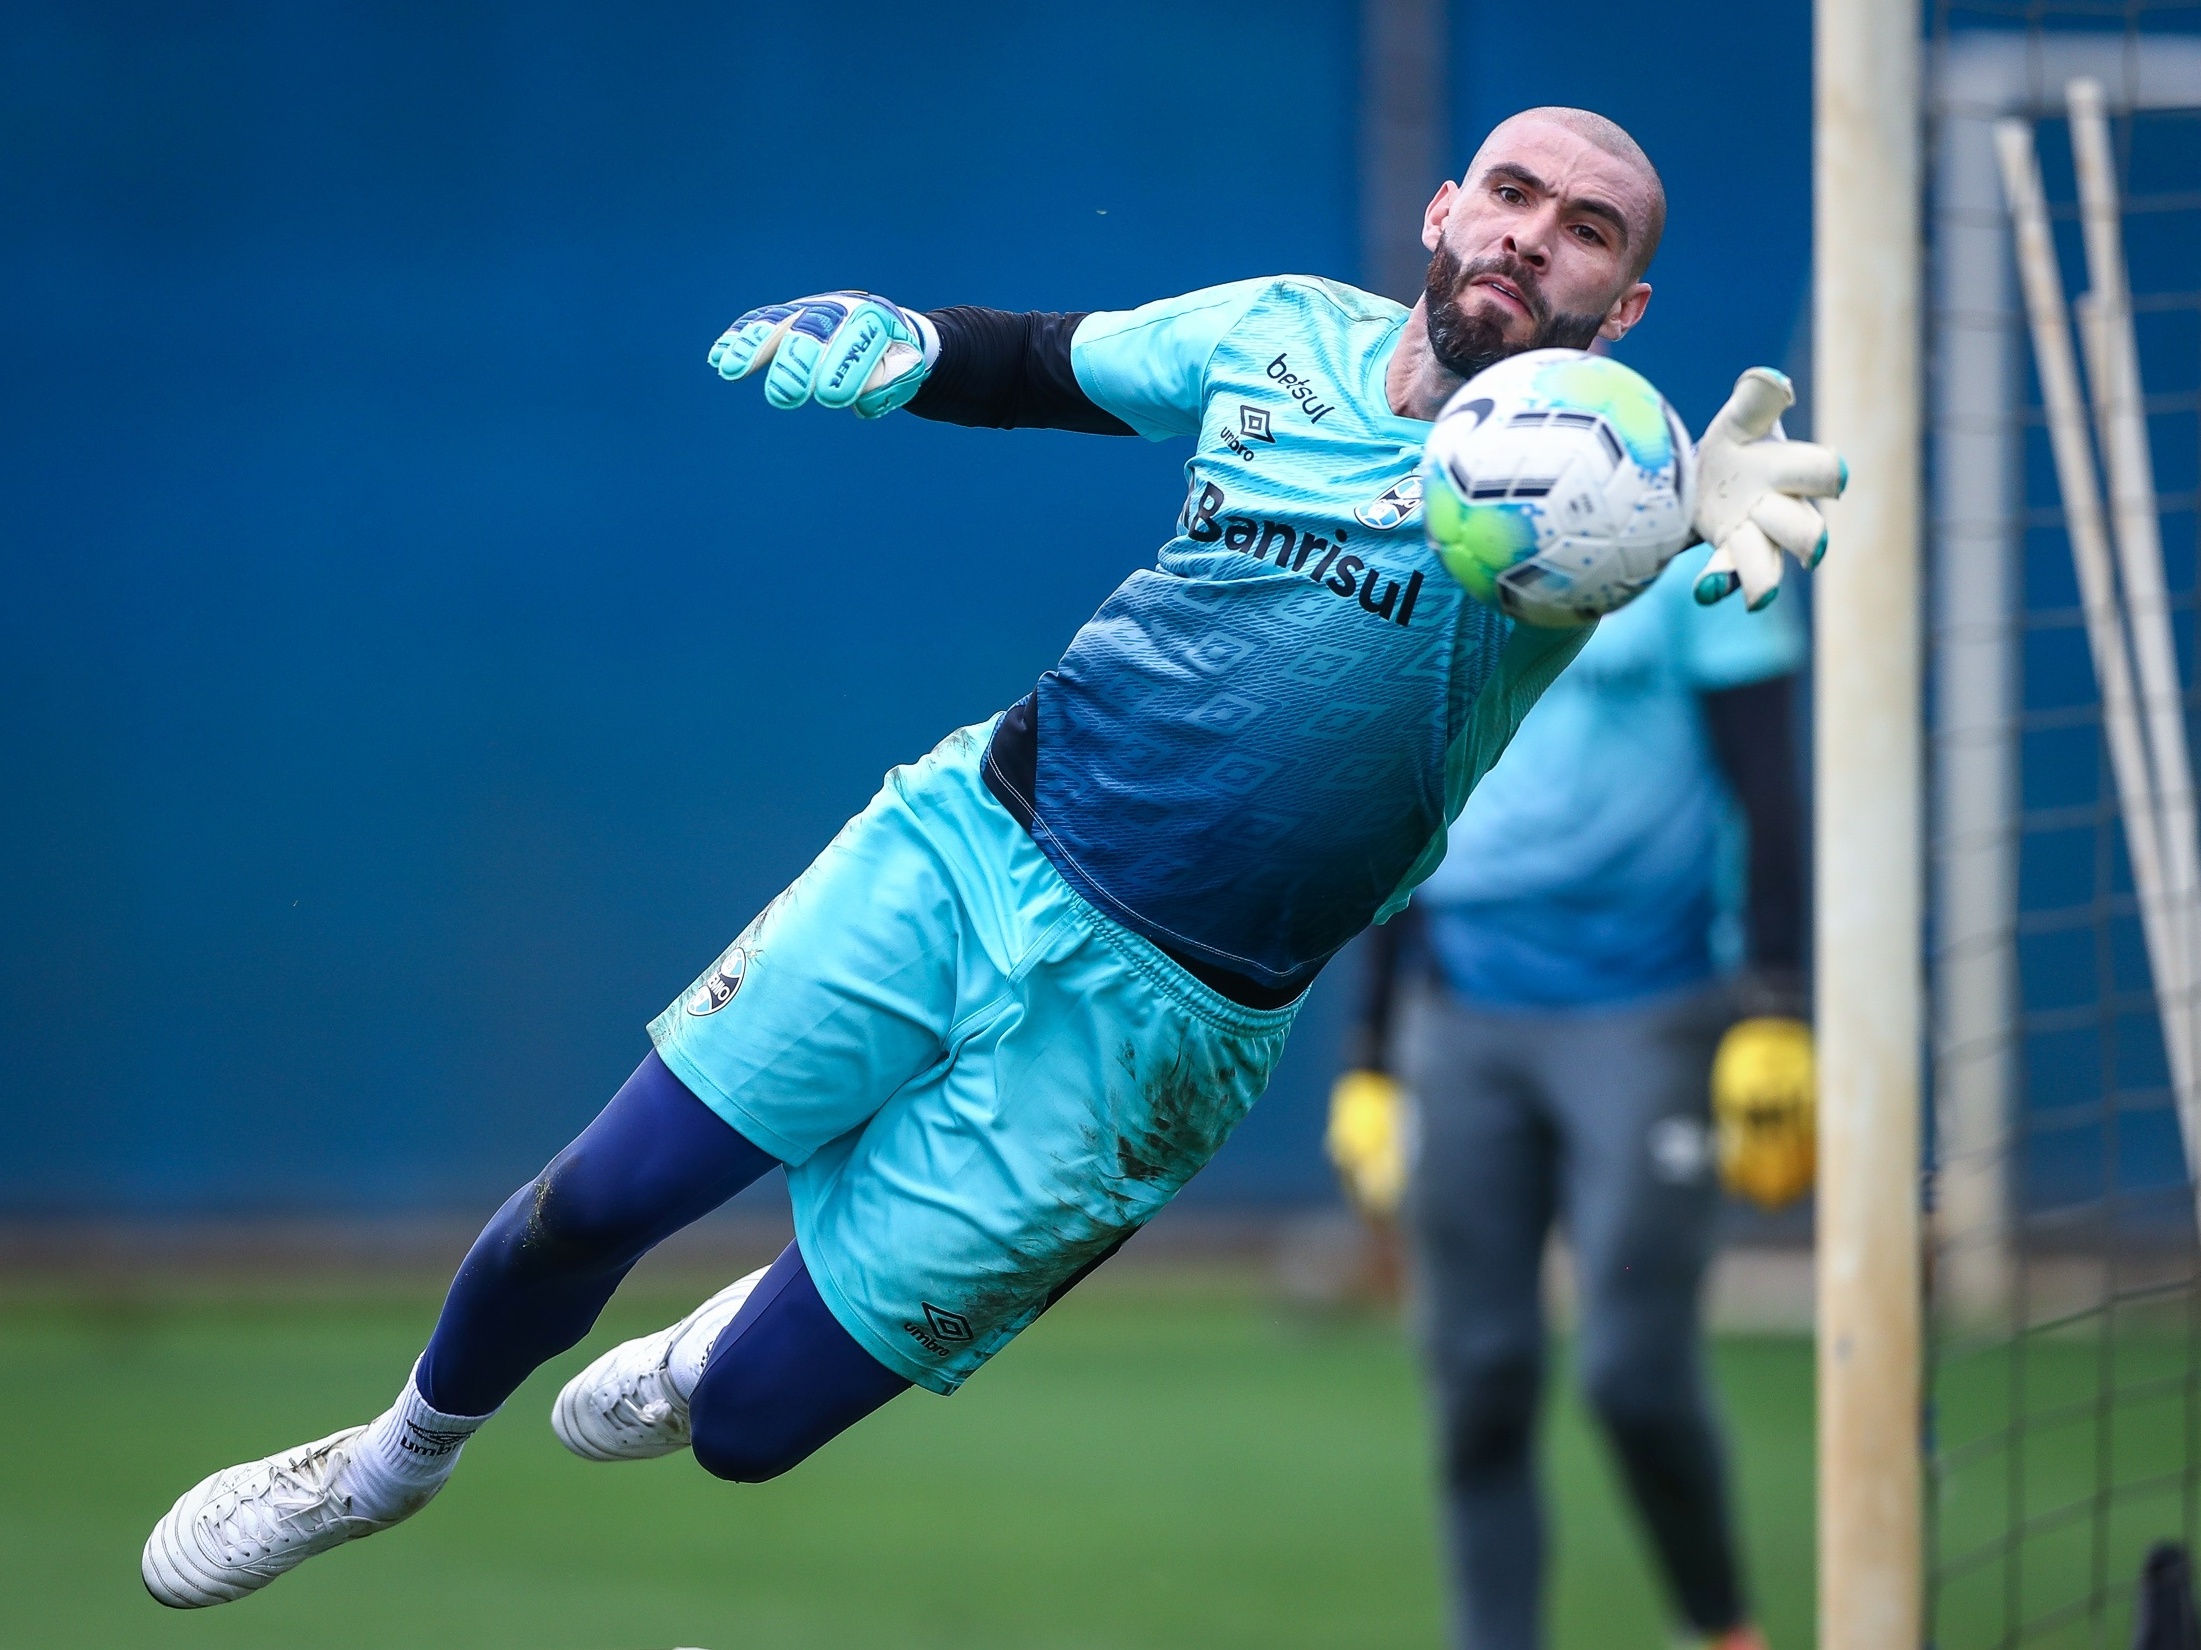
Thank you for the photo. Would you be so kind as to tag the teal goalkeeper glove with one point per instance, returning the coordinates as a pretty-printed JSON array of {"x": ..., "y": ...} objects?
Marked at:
[
  {"x": 1752, "y": 484},
  {"x": 839, "y": 349}
]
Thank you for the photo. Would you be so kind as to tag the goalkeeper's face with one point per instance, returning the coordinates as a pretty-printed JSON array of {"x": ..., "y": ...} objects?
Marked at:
[{"x": 1543, "y": 244}]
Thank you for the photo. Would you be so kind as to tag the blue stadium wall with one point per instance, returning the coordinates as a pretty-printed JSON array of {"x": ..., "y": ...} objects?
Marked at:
[{"x": 415, "y": 664}]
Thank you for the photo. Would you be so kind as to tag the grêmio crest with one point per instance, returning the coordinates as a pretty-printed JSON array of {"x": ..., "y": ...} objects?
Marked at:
[
  {"x": 716, "y": 989},
  {"x": 1396, "y": 505}
]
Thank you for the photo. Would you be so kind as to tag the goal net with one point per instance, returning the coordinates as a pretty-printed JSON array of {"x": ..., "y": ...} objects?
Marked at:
[{"x": 2063, "y": 400}]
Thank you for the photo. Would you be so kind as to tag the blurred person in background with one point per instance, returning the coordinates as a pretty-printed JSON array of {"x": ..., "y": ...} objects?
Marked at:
[{"x": 1576, "y": 952}]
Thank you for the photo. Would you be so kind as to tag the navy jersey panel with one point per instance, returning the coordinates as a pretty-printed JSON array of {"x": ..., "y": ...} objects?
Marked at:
[{"x": 1253, "y": 748}]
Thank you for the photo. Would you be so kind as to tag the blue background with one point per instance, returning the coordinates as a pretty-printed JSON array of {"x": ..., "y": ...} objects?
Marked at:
[{"x": 414, "y": 663}]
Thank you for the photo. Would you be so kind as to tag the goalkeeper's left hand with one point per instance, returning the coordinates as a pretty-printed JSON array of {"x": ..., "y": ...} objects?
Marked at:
[
  {"x": 839, "y": 349},
  {"x": 1764, "y": 1109},
  {"x": 1752, "y": 488},
  {"x": 1366, "y": 1140}
]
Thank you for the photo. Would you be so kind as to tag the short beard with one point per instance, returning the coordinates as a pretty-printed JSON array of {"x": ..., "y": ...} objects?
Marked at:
[{"x": 1465, "y": 344}]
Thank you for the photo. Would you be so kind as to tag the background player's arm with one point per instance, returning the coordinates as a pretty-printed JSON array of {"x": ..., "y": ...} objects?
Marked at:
[
  {"x": 1364, "y": 1137},
  {"x": 1762, "y": 1086},
  {"x": 1752, "y": 728},
  {"x": 1368, "y": 1039}
]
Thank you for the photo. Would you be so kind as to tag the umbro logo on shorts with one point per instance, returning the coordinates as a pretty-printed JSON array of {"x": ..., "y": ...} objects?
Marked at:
[
  {"x": 716, "y": 989},
  {"x": 949, "y": 1326},
  {"x": 947, "y": 1329}
]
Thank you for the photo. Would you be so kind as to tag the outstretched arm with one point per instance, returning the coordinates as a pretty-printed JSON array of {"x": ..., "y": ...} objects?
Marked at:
[
  {"x": 1111, "y": 372},
  {"x": 962, "y": 365}
]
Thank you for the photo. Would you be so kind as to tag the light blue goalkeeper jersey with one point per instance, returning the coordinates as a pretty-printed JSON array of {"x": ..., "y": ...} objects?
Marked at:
[{"x": 1253, "y": 749}]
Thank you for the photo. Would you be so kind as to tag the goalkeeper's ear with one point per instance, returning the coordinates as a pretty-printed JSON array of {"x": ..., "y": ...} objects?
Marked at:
[{"x": 1626, "y": 313}]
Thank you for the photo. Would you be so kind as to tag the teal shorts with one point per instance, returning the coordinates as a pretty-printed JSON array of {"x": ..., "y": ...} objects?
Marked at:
[{"x": 979, "y": 1084}]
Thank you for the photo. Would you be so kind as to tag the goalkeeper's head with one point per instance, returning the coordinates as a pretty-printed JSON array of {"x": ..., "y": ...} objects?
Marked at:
[{"x": 1544, "y": 243}]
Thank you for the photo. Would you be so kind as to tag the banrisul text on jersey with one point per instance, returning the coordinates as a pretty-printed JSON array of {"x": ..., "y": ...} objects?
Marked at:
[{"x": 1388, "y": 596}]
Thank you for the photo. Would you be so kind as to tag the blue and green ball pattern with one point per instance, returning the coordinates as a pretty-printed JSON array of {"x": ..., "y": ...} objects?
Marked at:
[{"x": 1481, "y": 539}]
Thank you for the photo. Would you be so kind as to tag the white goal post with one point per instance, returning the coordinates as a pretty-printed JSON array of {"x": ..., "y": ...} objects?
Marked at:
[
  {"x": 1869, "y": 327},
  {"x": 1868, "y": 825}
]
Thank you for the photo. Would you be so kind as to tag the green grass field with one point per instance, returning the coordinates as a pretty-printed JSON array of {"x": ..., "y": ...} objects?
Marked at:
[{"x": 1160, "y": 1462}]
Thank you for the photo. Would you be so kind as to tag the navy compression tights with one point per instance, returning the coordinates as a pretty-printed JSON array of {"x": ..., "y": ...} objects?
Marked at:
[{"x": 784, "y": 1376}]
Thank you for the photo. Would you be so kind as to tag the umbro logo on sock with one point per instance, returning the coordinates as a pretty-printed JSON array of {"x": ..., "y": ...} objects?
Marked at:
[{"x": 420, "y": 1440}]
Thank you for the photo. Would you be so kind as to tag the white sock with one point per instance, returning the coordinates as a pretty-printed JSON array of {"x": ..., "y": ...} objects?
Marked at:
[{"x": 405, "y": 1455}]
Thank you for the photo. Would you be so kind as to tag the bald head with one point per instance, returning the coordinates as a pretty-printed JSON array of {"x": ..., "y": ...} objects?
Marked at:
[
  {"x": 1646, "y": 210},
  {"x": 1541, "y": 246}
]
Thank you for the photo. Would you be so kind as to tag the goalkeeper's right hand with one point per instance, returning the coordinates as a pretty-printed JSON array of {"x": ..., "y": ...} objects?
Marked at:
[
  {"x": 1366, "y": 1140},
  {"x": 839, "y": 349},
  {"x": 1754, "y": 488}
]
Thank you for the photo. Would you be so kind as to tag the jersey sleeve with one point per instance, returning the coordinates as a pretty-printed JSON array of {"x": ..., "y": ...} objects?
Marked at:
[
  {"x": 1727, "y": 645},
  {"x": 1148, "y": 366}
]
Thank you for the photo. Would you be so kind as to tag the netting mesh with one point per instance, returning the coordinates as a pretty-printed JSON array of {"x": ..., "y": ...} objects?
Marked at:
[{"x": 2064, "y": 1360}]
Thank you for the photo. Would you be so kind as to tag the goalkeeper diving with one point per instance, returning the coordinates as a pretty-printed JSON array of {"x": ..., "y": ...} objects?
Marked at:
[{"x": 1029, "y": 991}]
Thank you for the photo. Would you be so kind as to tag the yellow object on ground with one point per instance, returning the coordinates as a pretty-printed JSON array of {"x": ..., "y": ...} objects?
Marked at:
[
  {"x": 1366, "y": 1140},
  {"x": 1765, "y": 1106}
]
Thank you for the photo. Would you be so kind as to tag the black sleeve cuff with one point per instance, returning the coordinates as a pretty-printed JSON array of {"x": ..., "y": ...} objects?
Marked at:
[{"x": 1003, "y": 371}]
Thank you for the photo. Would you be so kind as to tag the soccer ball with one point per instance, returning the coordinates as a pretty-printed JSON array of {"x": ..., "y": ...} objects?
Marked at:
[{"x": 1556, "y": 484}]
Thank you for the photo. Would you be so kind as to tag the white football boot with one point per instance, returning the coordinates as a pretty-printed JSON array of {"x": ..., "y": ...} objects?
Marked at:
[
  {"x": 632, "y": 1403},
  {"x": 240, "y": 1529}
]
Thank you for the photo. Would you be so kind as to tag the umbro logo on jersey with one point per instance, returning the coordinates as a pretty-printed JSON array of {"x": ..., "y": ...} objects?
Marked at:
[
  {"x": 1253, "y": 425},
  {"x": 1385, "y": 595},
  {"x": 716, "y": 989},
  {"x": 1301, "y": 389},
  {"x": 1396, "y": 505}
]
